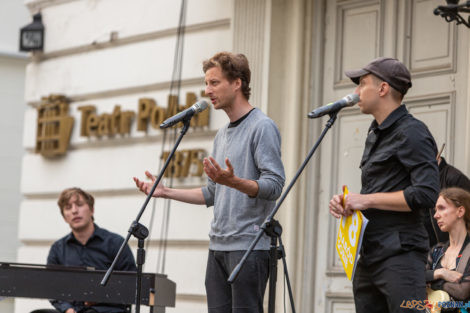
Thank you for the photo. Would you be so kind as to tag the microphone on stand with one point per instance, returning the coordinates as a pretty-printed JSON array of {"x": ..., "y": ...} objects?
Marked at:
[
  {"x": 333, "y": 107},
  {"x": 197, "y": 107}
]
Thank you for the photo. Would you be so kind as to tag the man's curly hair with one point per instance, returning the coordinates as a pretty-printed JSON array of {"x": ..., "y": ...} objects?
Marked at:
[{"x": 233, "y": 66}]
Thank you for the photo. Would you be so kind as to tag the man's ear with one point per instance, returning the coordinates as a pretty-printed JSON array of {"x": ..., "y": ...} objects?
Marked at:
[
  {"x": 384, "y": 89},
  {"x": 238, "y": 84}
]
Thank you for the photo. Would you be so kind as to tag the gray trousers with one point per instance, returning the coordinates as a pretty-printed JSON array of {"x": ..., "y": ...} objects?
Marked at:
[{"x": 246, "y": 293}]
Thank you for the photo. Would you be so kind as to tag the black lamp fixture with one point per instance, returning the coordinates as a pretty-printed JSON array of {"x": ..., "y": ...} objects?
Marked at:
[
  {"x": 32, "y": 35},
  {"x": 451, "y": 12}
]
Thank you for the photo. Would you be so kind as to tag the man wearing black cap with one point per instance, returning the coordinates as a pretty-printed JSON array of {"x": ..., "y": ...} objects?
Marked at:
[{"x": 400, "y": 180}]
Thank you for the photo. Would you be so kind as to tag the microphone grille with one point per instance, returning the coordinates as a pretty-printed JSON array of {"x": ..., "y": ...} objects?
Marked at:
[
  {"x": 201, "y": 106},
  {"x": 352, "y": 99}
]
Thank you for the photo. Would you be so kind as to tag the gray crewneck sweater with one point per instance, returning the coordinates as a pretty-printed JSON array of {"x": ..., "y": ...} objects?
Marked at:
[{"x": 254, "y": 149}]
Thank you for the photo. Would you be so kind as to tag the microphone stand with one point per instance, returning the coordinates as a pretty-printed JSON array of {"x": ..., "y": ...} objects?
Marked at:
[
  {"x": 140, "y": 231},
  {"x": 273, "y": 229}
]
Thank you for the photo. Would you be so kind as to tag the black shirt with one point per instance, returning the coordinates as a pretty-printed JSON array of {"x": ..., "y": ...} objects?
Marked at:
[
  {"x": 449, "y": 176},
  {"x": 452, "y": 177},
  {"x": 399, "y": 155},
  {"x": 98, "y": 252}
]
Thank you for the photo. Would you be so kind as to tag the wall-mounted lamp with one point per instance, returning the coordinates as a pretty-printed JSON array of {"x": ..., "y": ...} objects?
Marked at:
[
  {"x": 32, "y": 35},
  {"x": 451, "y": 12}
]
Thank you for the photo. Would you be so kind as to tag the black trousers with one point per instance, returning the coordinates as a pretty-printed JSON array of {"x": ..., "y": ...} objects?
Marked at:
[
  {"x": 385, "y": 285},
  {"x": 246, "y": 293}
]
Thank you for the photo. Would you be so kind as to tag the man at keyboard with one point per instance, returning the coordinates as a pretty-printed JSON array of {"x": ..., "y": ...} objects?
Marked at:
[{"x": 87, "y": 245}]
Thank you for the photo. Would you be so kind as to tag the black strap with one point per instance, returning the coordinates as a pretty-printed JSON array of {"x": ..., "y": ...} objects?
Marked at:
[{"x": 463, "y": 260}]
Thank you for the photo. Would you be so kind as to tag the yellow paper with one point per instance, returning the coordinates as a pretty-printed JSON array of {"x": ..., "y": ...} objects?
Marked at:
[{"x": 350, "y": 233}]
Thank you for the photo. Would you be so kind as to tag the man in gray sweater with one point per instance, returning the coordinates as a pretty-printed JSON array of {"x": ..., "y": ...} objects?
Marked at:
[{"x": 243, "y": 193}]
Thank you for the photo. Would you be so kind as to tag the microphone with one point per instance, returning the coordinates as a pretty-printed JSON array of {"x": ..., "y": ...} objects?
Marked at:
[
  {"x": 333, "y": 107},
  {"x": 197, "y": 107}
]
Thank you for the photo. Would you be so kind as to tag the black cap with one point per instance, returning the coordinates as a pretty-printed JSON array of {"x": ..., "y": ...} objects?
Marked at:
[{"x": 389, "y": 70}]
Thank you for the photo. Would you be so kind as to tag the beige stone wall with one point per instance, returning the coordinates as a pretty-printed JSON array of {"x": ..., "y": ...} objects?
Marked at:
[
  {"x": 107, "y": 53},
  {"x": 12, "y": 75},
  {"x": 112, "y": 52}
]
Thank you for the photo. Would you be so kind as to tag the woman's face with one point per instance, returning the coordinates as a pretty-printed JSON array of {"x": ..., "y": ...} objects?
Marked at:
[{"x": 447, "y": 214}]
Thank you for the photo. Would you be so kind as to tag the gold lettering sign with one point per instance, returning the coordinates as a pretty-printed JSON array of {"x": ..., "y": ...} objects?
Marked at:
[
  {"x": 54, "y": 126},
  {"x": 185, "y": 163},
  {"x": 119, "y": 122},
  {"x": 200, "y": 119},
  {"x": 150, "y": 113}
]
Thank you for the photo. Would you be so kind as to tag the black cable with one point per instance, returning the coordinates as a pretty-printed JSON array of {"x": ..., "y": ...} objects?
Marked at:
[
  {"x": 285, "y": 279},
  {"x": 175, "y": 79},
  {"x": 154, "y": 202}
]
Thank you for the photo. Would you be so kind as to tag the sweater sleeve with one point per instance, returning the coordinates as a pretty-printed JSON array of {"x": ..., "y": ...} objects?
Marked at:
[
  {"x": 208, "y": 191},
  {"x": 267, "y": 155}
]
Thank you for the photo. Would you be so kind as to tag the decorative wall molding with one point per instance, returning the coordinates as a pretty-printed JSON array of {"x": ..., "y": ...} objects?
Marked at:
[
  {"x": 114, "y": 40},
  {"x": 430, "y": 45},
  {"x": 35, "y": 6},
  {"x": 129, "y": 141},
  {"x": 339, "y": 303},
  {"x": 127, "y": 91},
  {"x": 191, "y": 297},
  {"x": 152, "y": 243},
  {"x": 352, "y": 46},
  {"x": 442, "y": 105},
  {"x": 308, "y": 276},
  {"x": 251, "y": 37},
  {"x": 11, "y": 55}
]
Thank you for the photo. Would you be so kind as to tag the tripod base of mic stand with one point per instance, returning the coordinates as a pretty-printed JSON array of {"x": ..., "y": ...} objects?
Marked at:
[{"x": 273, "y": 229}]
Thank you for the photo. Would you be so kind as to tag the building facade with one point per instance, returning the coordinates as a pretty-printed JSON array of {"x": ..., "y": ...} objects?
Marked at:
[
  {"x": 107, "y": 69},
  {"x": 12, "y": 75}
]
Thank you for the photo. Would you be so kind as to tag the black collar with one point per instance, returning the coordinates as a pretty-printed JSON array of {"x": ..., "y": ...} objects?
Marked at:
[
  {"x": 237, "y": 122},
  {"x": 396, "y": 114},
  {"x": 98, "y": 233}
]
